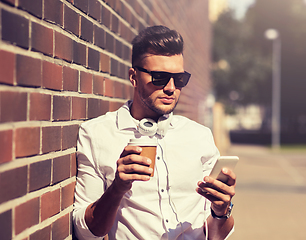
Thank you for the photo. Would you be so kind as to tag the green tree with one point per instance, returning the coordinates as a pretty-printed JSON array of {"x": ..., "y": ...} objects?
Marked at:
[{"x": 239, "y": 71}]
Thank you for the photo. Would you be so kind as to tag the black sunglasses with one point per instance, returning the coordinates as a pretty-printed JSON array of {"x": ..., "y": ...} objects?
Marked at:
[{"x": 162, "y": 78}]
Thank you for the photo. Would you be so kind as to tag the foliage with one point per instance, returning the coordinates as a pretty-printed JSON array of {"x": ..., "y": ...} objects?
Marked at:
[
  {"x": 239, "y": 72},
  {"x": 242, "y": 60}
]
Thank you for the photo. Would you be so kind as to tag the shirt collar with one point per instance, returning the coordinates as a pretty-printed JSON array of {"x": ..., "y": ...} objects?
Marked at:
[{"x": 124, "y": 118}]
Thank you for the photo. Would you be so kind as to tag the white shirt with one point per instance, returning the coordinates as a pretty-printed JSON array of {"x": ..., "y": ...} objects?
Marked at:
[{"x": 165, "y": 207}]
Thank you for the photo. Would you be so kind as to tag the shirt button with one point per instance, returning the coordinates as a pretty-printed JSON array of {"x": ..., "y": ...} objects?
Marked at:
[
  {"x": 167, "y": 220},
  {"x": 158, "y": 158},
  {"x": 162, "y": 190}
]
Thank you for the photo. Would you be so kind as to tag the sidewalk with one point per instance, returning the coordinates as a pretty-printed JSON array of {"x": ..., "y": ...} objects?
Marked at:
[{"x": 270, "y": 201}]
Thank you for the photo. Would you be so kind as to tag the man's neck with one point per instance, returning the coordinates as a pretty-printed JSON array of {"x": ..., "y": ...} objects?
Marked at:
[{"x": 138, "y": 115}]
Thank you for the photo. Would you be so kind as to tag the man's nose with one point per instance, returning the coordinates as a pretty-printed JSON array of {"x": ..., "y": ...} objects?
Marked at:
[{"x": 170, "y": 87}]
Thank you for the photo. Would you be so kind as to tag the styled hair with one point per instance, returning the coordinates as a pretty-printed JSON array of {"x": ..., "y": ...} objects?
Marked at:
[{"x": 157, "y": 40}]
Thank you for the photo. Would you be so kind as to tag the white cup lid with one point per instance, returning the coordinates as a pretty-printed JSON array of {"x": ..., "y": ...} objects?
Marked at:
[{"x": 143, "y": 141}]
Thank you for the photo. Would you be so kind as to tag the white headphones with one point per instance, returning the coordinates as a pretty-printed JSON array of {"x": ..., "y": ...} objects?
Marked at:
[{"x": 148, "y": 127}]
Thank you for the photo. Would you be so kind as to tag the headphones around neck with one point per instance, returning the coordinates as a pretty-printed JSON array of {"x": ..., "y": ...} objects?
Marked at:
[{"x": 148, "y": 127}]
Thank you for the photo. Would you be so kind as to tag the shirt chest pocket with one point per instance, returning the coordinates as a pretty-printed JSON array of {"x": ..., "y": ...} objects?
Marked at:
[{"x": 185, "y": 170}]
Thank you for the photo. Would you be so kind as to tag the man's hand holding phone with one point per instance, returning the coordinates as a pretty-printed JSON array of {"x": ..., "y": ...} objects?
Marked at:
[{"x": 219, "y": 186}]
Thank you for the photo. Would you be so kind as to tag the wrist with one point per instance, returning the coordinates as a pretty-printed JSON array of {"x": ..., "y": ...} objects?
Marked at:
[
  {"x": 120, "y": 187},
  {"x": 224, "y": 216}
]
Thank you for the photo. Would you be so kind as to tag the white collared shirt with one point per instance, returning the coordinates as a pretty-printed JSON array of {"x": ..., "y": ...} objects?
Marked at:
[{"x": 165, "y": 207}]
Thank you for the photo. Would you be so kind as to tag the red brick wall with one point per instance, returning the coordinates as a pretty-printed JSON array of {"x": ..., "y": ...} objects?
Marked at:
[{"x": 63, "y": 62}]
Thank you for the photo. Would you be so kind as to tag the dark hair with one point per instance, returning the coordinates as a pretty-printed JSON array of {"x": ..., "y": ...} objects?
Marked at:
[{"x": 158, "y": 40}]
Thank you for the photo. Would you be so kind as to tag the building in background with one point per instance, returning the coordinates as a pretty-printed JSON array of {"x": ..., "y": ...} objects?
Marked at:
[{"x": 63, "y": 62}]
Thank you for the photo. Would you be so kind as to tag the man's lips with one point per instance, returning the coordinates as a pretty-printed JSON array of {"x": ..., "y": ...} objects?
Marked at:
[{"x": 167, "y": 100}]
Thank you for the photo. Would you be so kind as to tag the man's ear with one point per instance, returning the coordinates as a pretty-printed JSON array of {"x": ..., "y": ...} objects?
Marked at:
[{"x": 132, "y": 76}]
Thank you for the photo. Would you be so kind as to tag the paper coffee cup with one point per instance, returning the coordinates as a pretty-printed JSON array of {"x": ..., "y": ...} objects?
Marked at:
[{"x": 148, "y": 146}]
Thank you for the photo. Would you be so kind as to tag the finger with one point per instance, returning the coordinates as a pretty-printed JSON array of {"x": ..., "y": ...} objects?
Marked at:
[
  {"x": 231, "y": 176},
  {"x": 130, "y": 150},
  {"x": 135, "y": 169},
  {"x": 135, "y": 159},
  {"x": 133, "y": 177},
  {"x": 213, "y": 195},
  {"x": 217, "y": 185},
  {"x": 210, "y": 197},
  {"x": 217, "y": 189}
]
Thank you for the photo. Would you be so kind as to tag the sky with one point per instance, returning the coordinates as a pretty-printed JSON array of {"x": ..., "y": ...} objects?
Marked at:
[{"x": 240, "y": 6}]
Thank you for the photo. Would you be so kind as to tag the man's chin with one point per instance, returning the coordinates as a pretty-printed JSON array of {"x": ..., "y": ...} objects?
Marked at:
[{"x": 165, "y": 108}]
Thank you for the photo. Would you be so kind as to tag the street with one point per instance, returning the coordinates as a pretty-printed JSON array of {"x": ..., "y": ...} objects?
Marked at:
[{"x": 270, "y": 200}]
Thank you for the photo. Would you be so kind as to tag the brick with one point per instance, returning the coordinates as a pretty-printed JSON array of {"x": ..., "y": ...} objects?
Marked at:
[
  {"x": 40, "y": 106},
  {"x": 15, "y": 29},
  {"x": 118, "y": 87},
  {"x": 123, "y": 29},
  {"x": 118, "y": 49},
  {"x": 79, "y": 53},
  {"x": 127, "y": 14},
  {"x": 40, "y": 175},
  {"x": 93, "y": 59},
  {"x": 67, "y": 195},
  {"x": 104, "y": 63},
  {"x": 106, "y": 17},
  {"x": 127, "y": 53},
  {"x": 51, "y": 139},
  {"x": 26, "y": 215},
  {"x": 70, "y": 135},
  {"x": 86, "y": 30},
  {"x": 94, "y": 9},
  {"x": 113, "y": 106},
  {"x": 61, "y": 168},
  {"x": 85, "y": 82},
  {"x": 134, "y": 22},
  {"x": 70, "y": 79},
  {"x": 97, "y": 107},
  {"x": 73, "y": 165},
  {"x": 27, "y": 141},
  {"x": 118, "y": 6},
  {"x": 122, "y": 71},
  {"x": 109, "y": 42},
  {"x": 115, "y": 24},
  {"x": 114, "y": 67},
  {"x": 44, "y": 233},
  {"x": 28, "y": 71},
  {"x": 128, "y": 91},
  {"x": 42, "y": 39},
  {"x": 13, "y": 106},
  {"x": 78, "y": 108},
  {"x": 6, "y": 225},
  {"x": 6, "y": 145},
  {"x": 7, "y": 67},
  {"x": 61, "y": 108},
  {"x": 53, "y": 11},
  {"x": 52, "y": 76},
  {"x": 98, "y": 82},
  {"x": 13, "y": 184},
  {"x": 63, "y": 47},
  {"x": 99, "y": 37},
  {"x": 82, "y": 5},
  {"x": 50, "y": 204},
  {"x": 34, "y": 7},
  {"x": 71, "y": 20},
  {"x": 61, "y": 228},
  {"x": 109, "y": 87}
]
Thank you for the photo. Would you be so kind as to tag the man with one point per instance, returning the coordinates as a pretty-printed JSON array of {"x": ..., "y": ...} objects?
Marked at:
[{"x": 114, "y": 193}]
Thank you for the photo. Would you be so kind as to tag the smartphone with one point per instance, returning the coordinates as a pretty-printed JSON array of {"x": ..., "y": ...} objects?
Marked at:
[{"x": 223, "y": 162}]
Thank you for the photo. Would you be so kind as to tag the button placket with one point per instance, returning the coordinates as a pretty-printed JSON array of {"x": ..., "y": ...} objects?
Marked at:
[{"x": 166, "y": 209}]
